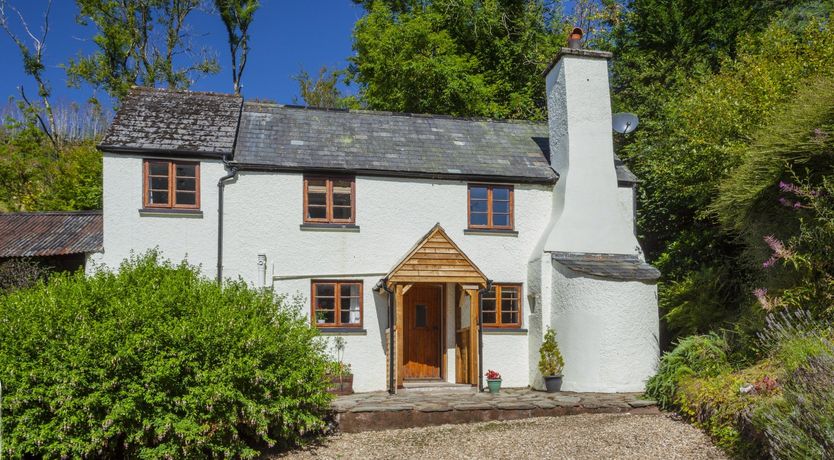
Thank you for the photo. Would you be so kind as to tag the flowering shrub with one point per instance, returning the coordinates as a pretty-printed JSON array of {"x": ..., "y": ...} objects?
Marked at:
[
  {"x": 493, "y": 375},
  {"x": 766, "y": 385},
  {"x": 155, "y": 362},
  {"x": 800, "y": 267}
]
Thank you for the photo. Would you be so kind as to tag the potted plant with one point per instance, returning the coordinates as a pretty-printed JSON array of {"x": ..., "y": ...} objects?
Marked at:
[
  {"x": 493, "y": 381},
  {"x": 341, "y": 376},
  {"x": 551, "y": 362},
  {"x": 320, "y": 319}
]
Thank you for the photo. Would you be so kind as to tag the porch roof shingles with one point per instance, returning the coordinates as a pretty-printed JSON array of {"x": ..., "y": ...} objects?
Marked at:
[
  {"x": 436, "y": 258},
  {"x": 361, "y": 141},
  {"x": 156, "y": 120}
]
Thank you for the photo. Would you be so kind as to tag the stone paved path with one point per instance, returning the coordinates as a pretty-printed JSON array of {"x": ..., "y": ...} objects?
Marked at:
[{"x": 380, "y": 411}]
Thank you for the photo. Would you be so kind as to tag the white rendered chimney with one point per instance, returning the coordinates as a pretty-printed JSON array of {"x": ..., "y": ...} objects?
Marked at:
[{"x": 586, "y": 217}]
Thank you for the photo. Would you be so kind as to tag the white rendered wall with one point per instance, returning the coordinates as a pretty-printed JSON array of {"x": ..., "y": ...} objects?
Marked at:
[
  {"x": 178, "y": 237},
  {"x": 586, "y": 212},
  {"x": 263, "y": 212},
  {"x": 607, "y": 331},
  {"x": 365, "y": 353},
  {"x": 507, "y": 354}
]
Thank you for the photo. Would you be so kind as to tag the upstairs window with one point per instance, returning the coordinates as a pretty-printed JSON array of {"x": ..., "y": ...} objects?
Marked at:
[
  {"x": 501, "y": 306},
  {"x": 171, "y": 184},
  {"x": 329, "y": 200},
  {"x": 491, "y": 207},
  {"x": 337, "y": 303}
]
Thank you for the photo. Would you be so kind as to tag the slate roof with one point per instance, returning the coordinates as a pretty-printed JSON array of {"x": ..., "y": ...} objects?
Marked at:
[
  {"x": 273, "y": 136},
  {"x": 185, "y": 122},
  {"x": 30, "y": 234},
  {"x": 613, "y": 266},
  {"x": 289, "y": 137}
]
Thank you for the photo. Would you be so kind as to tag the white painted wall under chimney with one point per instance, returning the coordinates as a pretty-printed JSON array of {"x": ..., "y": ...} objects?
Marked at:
[
  {"x": 606, "y": 328},
  {"x": 587, "y": 215}
]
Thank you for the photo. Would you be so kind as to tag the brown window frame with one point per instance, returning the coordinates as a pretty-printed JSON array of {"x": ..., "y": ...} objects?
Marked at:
[
  {"x": 499, "y": 306},
  {"x": 329, "y": 219},
  {"x": 337, "y": 294},
  {"x": 489, "y": 225},
  {"x": 172, "y": 184}
]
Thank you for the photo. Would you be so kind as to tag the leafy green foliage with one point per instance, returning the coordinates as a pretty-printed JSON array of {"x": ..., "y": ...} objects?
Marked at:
[
  {"x": 695, "y": 138},
  {"x": 34, "y": 176},
  {"x": 702, "y": 355},
  {"x": 131, "y": 51},
  {"x": 323, "y": 91},
  {"x": 551, "y": 361},
  {"x": 237, "y": 16},
  {"x": 467, "y": 58},
  {"x": 156, "y": 362},
  {"x": 717, "y": 405},
  {"x": 800, "y": 425}
]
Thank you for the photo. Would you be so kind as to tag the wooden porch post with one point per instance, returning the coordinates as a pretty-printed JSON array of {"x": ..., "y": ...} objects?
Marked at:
[
  {"x": 398, "y": 307},
  {"x": 474, "y": 308}
]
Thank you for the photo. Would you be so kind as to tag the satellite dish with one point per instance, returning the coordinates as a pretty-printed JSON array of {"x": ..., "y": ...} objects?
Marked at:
[{"x": 625, "y": 122}]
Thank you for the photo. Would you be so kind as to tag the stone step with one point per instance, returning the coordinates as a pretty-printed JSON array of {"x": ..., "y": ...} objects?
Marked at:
[{"x": 436, "y": 387}]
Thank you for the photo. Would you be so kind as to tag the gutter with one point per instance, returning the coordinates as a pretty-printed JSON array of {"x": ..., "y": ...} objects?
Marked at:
[
  {"x": 481, "y": 292},
  {"x": 221, "y": 186},
  {"x": 402, "y": 174},
  {"x": 383, "y": 283}
]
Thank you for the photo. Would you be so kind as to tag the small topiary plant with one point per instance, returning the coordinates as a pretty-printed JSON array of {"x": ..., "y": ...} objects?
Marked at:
[
  {"x": 550, "y": 358},
  {"x": 156, "y": 361}
]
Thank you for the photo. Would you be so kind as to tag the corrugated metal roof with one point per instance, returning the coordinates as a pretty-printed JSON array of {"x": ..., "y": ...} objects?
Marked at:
[{"x": 29, "y": 234}]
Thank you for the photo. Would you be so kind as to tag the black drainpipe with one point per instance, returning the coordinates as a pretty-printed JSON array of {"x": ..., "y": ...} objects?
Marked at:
[
  {"x": 391, "y": 351},
  {"x": 221, "y": 186},
  {"x": 481, "y": 292}
]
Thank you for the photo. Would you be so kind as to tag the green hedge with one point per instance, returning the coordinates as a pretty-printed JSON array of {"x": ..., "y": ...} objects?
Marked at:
[{"x": 156, "y": 362}]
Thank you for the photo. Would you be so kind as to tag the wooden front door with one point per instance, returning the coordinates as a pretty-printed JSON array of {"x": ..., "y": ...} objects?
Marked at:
[{"x": 421, "y": 331}]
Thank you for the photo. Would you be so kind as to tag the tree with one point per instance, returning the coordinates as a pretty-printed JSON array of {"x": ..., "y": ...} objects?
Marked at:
[
  {"x": 693, "y": 138},
  {"x": 237, "y": 15},
  {"x": 130, "y": 49},
  {"x": 461, "y": 57},
  {"x": 323, "y": 92},
  {"x": 33, "y": 66}
]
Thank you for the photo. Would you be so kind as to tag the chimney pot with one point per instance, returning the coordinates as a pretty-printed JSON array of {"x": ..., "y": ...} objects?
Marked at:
[{"x": 575, "y": 38}]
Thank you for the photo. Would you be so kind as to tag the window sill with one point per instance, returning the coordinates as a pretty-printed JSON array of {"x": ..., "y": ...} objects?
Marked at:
[
  {"x": 329, "y": 227},
  {"x": 328, "y": 331},
  {"x": 165, "y": 212},
  {"x": 504, "y": 331},
  {"x": 488, "y": 231}
]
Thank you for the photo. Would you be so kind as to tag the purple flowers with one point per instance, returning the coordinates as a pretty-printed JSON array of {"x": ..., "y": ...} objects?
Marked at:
[
  {"x": 766, "y": 302},
  {"x": 779, "y": 251}
]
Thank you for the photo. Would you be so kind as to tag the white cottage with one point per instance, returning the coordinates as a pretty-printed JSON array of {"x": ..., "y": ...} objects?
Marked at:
[{"x": 468, "y": 236}]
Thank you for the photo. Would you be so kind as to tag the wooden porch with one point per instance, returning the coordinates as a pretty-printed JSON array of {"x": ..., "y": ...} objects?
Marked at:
[{"x": 420, "y": 318}]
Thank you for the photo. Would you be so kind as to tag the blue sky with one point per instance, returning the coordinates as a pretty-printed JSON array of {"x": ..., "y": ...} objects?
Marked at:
[{"x": 287, "y": 35}]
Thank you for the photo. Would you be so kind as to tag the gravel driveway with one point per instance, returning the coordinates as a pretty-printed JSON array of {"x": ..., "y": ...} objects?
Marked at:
[{"x": 590, "y": 436}]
